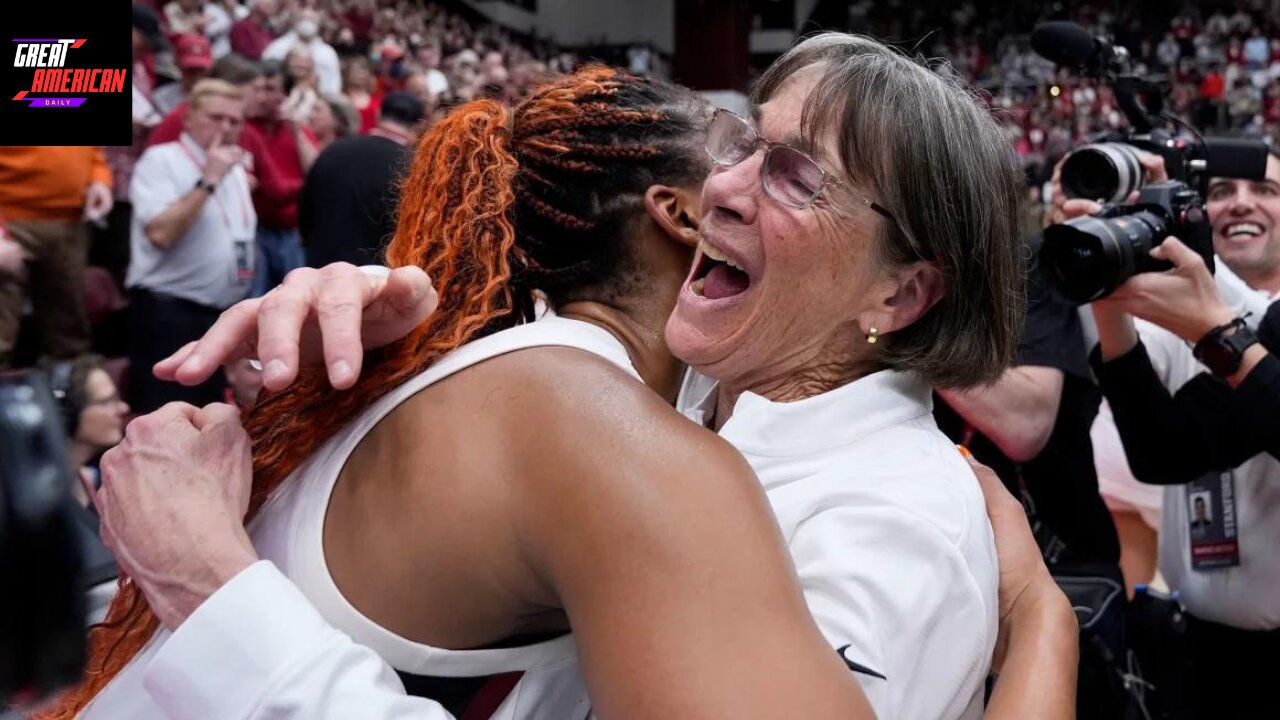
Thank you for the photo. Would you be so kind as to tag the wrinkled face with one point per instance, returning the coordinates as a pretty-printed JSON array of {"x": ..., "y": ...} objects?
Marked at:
[
  {"x": 102, "y": 418},
  {"x": 1244, "y": 214},
  {"x": 774, "y": 288},
  {"x": 215, "y": 117}
]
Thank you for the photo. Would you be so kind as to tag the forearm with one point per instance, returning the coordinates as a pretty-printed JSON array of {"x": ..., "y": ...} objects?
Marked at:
[
  {"x": 164, "y": 229},
  {"x": 1117, "y": 334},
  {"x": 307, "y": 152},
  {"x": 1039, "y": 679},
  {"x": 1017, "y": 412}
]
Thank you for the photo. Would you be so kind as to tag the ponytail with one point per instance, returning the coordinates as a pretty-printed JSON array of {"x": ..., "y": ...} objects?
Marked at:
[{"x": 455, "y": 222}]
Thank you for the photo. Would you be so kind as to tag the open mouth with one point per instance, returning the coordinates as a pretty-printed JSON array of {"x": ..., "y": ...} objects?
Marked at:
[
  {"x": 716, "y": 276},
  {"x": 1242, "y": 231}
]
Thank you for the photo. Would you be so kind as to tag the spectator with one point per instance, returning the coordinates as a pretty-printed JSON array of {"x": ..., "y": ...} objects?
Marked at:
[
  {"x": 360, "y": 88},
  {"x": 288, "y": 150},
  {"x": 391, "y": 67},
  {"x": 300, "y": 85},
  {"x": 93, "y": 416},
  {"x": 207, "y": 19},
  {"x": 251, "y": 36},
  {"x": 347, "y": 208},
  {"x": 428, "y": 57},
  {"x": 109, "y": 246},
  {"x": 1257, "y": 51},
  {"x": 331, "y": 119},
  {"x": 46, "y": 194},
  {"x": 234, "y": 69},
  {"x": 1168, "y": 51},
  {"x": 305, "y": 35},
  {"x": 195, "y": 57},
  {"x": 192, "y": 241}
]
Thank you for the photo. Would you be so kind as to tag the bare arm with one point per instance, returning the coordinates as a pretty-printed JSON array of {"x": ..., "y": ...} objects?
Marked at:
[
  {"x": 1017, "y": 411},
  {"x": 165, "y": 229},
  {"x": 1037, "y": 653},
  {"x": 664, "y": 551}
]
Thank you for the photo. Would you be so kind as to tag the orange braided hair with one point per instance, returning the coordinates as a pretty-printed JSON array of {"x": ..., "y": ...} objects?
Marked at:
[{"x": 472, "y": 182}]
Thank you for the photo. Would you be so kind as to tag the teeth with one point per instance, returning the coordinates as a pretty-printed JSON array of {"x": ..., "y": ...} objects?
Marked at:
[
  {"x": 1244, "y": 229},
  {"x": 718, "y": 256},
  {"x": 696, "y": 286},
  {"x": 713, "y": 253}
]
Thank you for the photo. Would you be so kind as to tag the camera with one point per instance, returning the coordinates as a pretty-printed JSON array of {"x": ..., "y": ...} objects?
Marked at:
[
  {"x": 42, "y": 615},
  {"x": 1085, "y": 259},
  {"x": 1088, "y": 257}
]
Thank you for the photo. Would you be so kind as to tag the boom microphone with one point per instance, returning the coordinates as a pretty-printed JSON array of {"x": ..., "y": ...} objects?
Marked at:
[{"x": 1070, "y": 45}]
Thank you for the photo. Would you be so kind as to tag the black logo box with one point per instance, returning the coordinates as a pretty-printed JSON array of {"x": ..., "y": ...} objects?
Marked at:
[{"x": 104, "y": 118}]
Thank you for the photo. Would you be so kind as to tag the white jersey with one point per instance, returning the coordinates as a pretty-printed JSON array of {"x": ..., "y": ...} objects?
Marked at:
[{"x": 532, "y": 682}]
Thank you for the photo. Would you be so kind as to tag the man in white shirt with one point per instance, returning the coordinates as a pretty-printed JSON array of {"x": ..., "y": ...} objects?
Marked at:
[
  {"x": 305, "y": 34},
  {"x": 1223, "y": 565},
  {"x": 191, "y": 240}
]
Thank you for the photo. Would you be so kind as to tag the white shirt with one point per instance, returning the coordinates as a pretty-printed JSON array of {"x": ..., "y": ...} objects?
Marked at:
[
  {"x": 888, "y": 530},
  {"x": 328, "y": 67},
  {"x": 212, "y": 263},
  {"x": 1247, "y": 596},
  {"x": 884, "y": 519}
]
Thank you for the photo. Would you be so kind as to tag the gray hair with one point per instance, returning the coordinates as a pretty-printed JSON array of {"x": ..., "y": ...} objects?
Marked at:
[{"x": 928, "y": 149}]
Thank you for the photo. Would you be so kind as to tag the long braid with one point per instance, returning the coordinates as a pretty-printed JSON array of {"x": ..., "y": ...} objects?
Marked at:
[{"x": 473, "y": 182}]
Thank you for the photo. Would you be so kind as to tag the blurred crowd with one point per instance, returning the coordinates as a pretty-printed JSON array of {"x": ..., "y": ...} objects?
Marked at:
[{"x": 1219, "y": 63}]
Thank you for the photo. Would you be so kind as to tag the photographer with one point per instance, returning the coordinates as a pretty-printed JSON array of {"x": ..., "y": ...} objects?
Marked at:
[
  {"x": 1219, "y": 565},
  {"x": 1213, "y": 422}
]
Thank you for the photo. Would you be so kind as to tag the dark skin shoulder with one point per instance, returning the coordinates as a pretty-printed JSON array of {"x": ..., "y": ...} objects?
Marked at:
[{"x": 546, "y": 489}]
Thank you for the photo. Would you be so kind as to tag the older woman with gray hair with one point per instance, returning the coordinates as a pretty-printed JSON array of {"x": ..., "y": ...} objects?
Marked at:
[{"x": 858, "y": 246}]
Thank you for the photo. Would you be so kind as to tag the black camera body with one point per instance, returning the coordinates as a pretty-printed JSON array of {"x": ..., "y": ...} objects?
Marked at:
[
  {"x": 42, "y": 616},
  {"x": 1087, "y": 258}
]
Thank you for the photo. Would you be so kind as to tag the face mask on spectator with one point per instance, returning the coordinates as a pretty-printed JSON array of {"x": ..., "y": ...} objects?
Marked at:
[{"x": 306, "y": 29}]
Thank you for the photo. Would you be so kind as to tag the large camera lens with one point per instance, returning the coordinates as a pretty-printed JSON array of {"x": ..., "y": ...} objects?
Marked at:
[
  {"x": 1087, "y": 258},
  {"x": 1107, "y": 172}
]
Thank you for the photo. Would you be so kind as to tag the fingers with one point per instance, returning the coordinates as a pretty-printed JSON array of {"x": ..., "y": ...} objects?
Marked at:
[
  {"x": 408, "y": 292},
  {"x": 1173, "y": 250},
  {"x": 215, "y": 414},
  {"x": 280, "y": 320},
  {"x": 1154, "y": 166},
  {"x": 167, "y": 368},
  {"x": 339, "y": 308},
  {"x": 993, "y": 490},
  {"x": 235, "y": 330},
  {"x": 1070, "y": 209}
]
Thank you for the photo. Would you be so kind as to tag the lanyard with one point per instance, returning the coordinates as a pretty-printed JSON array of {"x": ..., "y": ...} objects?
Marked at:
[{"x": 226, "y": 219}]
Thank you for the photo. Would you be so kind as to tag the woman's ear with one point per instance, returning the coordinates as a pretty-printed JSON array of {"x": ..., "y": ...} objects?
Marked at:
[
  {"x": 675, "y": 211},
  {"x": 906, "y": 297}
]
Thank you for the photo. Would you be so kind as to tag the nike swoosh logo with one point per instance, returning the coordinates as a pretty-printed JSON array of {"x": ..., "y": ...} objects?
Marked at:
[{"x": 856, "y": 667}]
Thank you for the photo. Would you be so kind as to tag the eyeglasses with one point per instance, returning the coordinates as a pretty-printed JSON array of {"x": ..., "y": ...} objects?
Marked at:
[{"x": 788, "y": 175}]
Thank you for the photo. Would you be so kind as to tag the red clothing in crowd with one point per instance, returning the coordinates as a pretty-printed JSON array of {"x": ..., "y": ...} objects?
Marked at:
[
  {"x": 361, "y": 24},
  {"x": 369, "y": 113},
  {"x": 276, "y": 165},
  {"x": 279, "y": 173},
  {"x": 1213, "y": 86},
  {"x": 250, "y": 39},
  {"x": 171, "y": 127}
]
